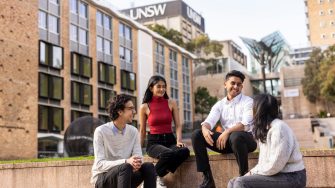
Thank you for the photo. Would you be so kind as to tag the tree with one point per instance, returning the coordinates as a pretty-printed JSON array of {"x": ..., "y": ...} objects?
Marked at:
[
  {"x": 171, "y": 34},
  {"x": 311, "y": 82},
  {"x": 203, "y": 101}
]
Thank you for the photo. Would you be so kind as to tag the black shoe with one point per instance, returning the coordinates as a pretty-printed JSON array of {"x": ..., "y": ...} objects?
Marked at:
[{"x": 208, "y": 180}]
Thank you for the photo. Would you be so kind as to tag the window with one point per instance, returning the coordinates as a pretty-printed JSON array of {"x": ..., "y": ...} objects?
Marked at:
[
  {"x": 50, "y": 86},
  {"x": 51, "y": 55},
  {"x": 53, "y": 24},
  {"x": 125, "y": 31},
  {"x": 81, "y": 65},
  {"x": 104, "y": 118},
  {"x": 107, "y": 22},
  {"x": 74, "y": 6},
  {"x": 74, "y": 33},
  {"x": 99, "y": 44},
  {"x": 128, "y": 80},
  {"x": 159, "y": 58},
  {"x": 42, "y": 19},
  {"x": 82, "y": 10},
  {"x": 81, "y": 93},
  {"x": 107, "y": 73},
  {"x": 50, "y": 119},
  {"x": 104, "y": 96},
  {"x": 77, "y": 114},
  {"x": 54, "y": 2},
  {"x": 125, "y": 54},
  {"x": 99, "y": 18},
  {"x": 82, "y": 36}
]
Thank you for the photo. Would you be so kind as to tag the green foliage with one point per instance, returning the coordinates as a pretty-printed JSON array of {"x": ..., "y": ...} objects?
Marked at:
[
  {"x": 203, "y": 101},
  {"x": 171, "y": 34},
  {"x": 319, "y": 81}
]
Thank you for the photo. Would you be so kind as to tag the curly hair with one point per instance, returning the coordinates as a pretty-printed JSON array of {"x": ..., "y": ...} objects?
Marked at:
[
  {"x": 116, "y": 104},
  {"x": 235, "y": 73},
  {"x": 153, "y": 81},
  {"x": 265, "y": 110}
]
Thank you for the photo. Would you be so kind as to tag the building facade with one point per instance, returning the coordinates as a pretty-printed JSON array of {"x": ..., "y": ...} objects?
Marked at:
[
  {"x": 320, "y": 22},
  {"x": 64, "y": 59},
  {"x": 173, "y": 15}
]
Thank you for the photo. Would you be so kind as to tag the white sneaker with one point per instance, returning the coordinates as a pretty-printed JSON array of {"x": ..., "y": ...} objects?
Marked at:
[{"x": 160, "y": 183}]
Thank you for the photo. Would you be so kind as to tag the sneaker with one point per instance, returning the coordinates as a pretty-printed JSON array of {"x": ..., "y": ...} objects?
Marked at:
[{"x": 160, "y": 183}]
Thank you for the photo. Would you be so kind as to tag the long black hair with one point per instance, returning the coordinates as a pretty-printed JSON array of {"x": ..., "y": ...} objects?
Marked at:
[
  {"x": 153, "y": 81},
  {"x": 265, "y": 110}
]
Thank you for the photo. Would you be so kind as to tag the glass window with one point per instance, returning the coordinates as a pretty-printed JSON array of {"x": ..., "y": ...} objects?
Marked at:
[
  {"x": 107, "y": 46},
  {"x": 74, "y": 33},
  {"x": 104, "y": 96},
  {"x": 87, "y": 94},
  {"x": 128, "y": 55},
  {"x": 50, "y": 119},
  {"x": 51, "y": 55},
  {"x": 75, "y": 64},
  {"x": 43, "y": 85},
  {"x": 82, "y": 36},
  {"x": 124, "y": 79},
  {"x": 107, "y": 22},
  {"x": 111, "y": 73},
  {"x": 42, "y": 20},
  {"x": 99, "y": 18},
  {"x": 57, "y": 87},
  {"x": 43, "y": 53},
  {"x": 54, "y": 1},
  {"x": 82, "y": 10},
  {"x": 99, "y": 44},
  {"x": 57, "y": 57},
  {"x": 102, "y": 72},
  {"x": 121, "y": 29},
  {"x": 75, "y": 92},
  {"x": 127, "y": 33},
  {"x": 57, "y": 119},
  {"x": 132, "y": 81},
  {"x": 42, "y": 118},
  {"x": 74, "y": 6},
  {"x": 86, "y": 67},
  {"x": 121, "y": 52},
  {"x": 78, "y": 114},
  {"x": 53, "y": 24}
]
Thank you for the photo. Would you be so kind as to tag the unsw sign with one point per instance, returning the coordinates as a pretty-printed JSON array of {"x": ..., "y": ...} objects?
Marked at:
[{"x": 148, "y": 11}]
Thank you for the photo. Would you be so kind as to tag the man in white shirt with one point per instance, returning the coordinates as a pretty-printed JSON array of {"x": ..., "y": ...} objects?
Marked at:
[
  {"x": 235, "y": 114},
  {"x": 117, "y": 150}
]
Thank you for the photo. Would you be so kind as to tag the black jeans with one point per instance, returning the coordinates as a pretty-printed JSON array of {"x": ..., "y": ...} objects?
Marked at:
[
  {"x": 163, "y": 147},
  {"x": 240, "y": 143},
  {"x": 122, "y": 176}
]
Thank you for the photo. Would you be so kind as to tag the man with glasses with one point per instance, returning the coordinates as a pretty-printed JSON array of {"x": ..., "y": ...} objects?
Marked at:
[
  {"x": 117, "y": 150},
  {"x": 235, "y": 114}
]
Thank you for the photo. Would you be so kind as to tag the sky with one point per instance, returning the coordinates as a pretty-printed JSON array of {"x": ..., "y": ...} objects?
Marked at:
[{"x": 230, "y": 19}]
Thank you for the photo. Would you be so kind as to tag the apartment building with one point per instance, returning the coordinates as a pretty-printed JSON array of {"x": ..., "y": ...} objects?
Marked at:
[
  {"x": 63, "y": 59},
  {"x": 320, "y": 22}
]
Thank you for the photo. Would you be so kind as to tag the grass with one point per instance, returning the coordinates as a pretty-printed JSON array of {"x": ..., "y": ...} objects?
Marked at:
[{"x": 47, "y": 160}]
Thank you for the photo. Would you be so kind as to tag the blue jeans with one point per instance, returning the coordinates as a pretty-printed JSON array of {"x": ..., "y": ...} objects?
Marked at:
[{"x": 290, "y": 180}]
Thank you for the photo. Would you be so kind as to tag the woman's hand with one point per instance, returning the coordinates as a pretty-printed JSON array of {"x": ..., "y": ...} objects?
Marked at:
[{"x": 180, "y": 144}]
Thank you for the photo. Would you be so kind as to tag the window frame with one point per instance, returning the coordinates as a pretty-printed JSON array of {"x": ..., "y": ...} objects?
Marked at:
[
  {"x": 81, "y": 65},
  {"x": 81, "y": 93},
  {"x": 106, "y": 73},
  {"x": 127, "y": 86},
  {"x": 50, "y": 114},
  {"x": 49, "y": 50},
  {"x": 50, "y": 86},
  {"x": 100, "y": 90}
]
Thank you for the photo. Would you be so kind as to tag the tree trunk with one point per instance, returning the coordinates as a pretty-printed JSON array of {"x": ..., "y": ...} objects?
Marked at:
[{"x": 263, "y": 78}]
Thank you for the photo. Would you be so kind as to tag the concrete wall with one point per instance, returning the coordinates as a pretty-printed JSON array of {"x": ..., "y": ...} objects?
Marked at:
[{"x": 319, "y": 164}]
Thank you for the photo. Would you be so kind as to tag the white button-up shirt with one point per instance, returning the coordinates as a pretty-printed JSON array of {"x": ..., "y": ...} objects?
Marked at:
[{"x": 238, "y": 110}]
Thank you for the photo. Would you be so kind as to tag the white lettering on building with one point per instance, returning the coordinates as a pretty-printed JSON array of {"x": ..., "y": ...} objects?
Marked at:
[
  {"x": 147, "y": 12},
  {"x": 194, "y": 16}
]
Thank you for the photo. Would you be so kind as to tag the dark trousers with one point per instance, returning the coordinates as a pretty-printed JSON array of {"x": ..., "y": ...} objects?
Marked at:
[
  {"x": 122, "y": 176},
  {"x": 280, "y": 180},
  {"x": 240, "y": 143},
  {"x": 163, "y": 147}
]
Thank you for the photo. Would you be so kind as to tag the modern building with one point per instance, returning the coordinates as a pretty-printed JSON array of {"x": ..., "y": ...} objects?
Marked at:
[
  {"x": 171, "y": 14},
  {"x": 63, "y": 59},
  {"x": 320, "y": 22},
  {"x": 300, "y": 55}
]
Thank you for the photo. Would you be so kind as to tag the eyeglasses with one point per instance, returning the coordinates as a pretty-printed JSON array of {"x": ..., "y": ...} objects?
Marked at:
[{"x": 132, "y": 108}]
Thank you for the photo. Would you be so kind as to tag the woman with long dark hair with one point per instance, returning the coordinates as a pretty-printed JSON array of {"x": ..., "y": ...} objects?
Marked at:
[
  {"x": 158, "y": 111},
  {"x": 280, "y": 162}
]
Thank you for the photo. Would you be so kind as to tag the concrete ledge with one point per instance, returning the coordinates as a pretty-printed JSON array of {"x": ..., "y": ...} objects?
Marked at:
[{"x": 320, "y": 166}]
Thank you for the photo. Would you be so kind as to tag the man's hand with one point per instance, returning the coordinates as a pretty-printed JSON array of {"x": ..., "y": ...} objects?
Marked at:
[
  {"x": 180, "y": 144},
  {"x": 135, "y": 161},
  {"x": 207, "y": 135},
  {"x": 221, "y": 141}
]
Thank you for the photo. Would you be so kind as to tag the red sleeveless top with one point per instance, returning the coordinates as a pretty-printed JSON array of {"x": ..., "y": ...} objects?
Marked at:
[{"x": 160, "y": 116}]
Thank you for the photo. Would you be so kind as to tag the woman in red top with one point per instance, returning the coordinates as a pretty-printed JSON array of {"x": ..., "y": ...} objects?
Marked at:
[{"x": 158, "y": 111}]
